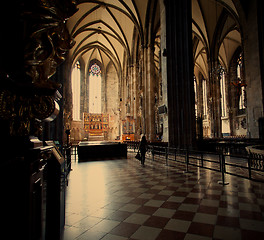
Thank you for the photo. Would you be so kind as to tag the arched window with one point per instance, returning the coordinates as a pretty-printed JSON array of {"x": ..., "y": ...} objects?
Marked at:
[
  {"x": 76, "y": 87},
  {"x": 223, "y": 92},
  {"x": 195, "y": 96},
  {"x": 204, "y": 86},
  {"x": 95, "y": 89},
  {"x": 241, "y": 87}
]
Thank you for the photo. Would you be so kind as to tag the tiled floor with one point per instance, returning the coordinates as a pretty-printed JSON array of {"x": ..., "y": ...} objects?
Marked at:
[{"x": 120, "y": 199}]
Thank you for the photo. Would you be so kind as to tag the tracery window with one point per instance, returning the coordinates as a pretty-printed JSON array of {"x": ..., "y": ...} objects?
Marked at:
[
  {"x": 195, "y": 96},
  {"x": 204, "y": 86},
  {"x": 95, "y": 89},
  {"x": 241, "y": 86},
  {"x": 76, "y": 87},
  {"x": 95, "y": 70},
  {"x": 223, "y": 92}
]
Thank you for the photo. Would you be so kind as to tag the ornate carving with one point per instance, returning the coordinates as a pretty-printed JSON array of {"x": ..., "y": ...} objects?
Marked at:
[
  {"x": 24, "y": 104},
  {"x": 24, "y": 113},
  {"x": 48, "y": 41}
]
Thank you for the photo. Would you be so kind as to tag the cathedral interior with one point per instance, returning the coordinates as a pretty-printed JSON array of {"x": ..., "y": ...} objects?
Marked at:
[{"x": 187, "y": 74}]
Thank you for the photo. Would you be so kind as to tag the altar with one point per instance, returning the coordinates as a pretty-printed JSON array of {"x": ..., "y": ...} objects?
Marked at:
[
  {"x": 96, "y": 150},
  {"x": 96, "y": 125}
]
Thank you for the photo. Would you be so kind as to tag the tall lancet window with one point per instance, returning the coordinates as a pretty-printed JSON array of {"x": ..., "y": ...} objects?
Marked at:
[
  {"x": 241, "y": 86},
  {"x": 223, "y": 92},
  {"x": 95, "y": 89},
  {"x": 76, "y": 87},
  {"x": 205, "y": 111},
  {"x": 195, "y": 96}
]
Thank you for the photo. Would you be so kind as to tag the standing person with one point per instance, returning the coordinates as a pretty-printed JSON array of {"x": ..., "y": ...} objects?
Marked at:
[{"x": 143, "y": 149}]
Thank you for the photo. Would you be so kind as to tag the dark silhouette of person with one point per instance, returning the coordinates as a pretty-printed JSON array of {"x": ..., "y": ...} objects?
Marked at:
[{"x": 143, "y": 149}]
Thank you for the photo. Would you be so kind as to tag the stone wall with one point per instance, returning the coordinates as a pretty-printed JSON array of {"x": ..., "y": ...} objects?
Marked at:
[
  {"x": 252, "y": 72},
  {"x": 112, "y": 101}
]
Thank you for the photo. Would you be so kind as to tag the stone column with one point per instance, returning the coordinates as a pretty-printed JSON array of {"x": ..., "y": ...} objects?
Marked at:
[
  {"x": 181, "y": 113},
  {"x": 215, "y": 113},
  {"x": 163, "y": 47},
  {"x": 252, "y": 61},
  {"x": 200, "y": 100},
  {"x": 261, "y": 43},
  {"x": 150, "y": 95},
  {"x": 145, "y": 88},
  {"x": 139, "y": 101}
]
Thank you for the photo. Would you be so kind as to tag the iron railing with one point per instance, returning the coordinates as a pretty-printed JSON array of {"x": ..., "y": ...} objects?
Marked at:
[{"x": 249, "y": 166}]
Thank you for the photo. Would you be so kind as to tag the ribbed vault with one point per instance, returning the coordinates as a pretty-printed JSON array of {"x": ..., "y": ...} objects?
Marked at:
[
  {"x": 105, "y": 30},
  {"x": 216, "y": 33}
]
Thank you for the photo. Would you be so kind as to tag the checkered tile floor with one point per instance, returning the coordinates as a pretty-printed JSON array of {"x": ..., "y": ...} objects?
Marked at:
[{"x": 120, "y": 199}]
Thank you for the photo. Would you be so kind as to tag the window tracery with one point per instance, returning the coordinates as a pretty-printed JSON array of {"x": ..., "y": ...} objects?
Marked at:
[
  {"x": 76, "y": 87},
  {"x": 241, "y": 85},
  {"x": 95, "y": 70},
  {"x": 223, "y": 91},
  {"x": 95, "y": 88}
]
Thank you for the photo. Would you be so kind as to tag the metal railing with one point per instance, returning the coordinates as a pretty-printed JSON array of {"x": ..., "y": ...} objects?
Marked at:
[{"x": 248, "y": 166}]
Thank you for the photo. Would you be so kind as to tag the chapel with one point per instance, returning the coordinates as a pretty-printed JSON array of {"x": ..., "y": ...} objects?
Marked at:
[{"x": 185, "y": 73}]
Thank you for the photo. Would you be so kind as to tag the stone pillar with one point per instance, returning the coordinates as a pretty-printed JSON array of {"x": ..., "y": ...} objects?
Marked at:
[
  {"x": 181, "y": 113},
  {"x": 252, "y": 63},
  {"x": 163, "y": 47},
  {"x": 139, "y": 101},
  {"x": 145, "y": 89},
  {"x": 261, "y": 43},
  {"x": 199, "y": 89},
  {"x": 215, "y": 113},
  {"x": 150, "y": 95},
  {"x": 233, "y": 96}
]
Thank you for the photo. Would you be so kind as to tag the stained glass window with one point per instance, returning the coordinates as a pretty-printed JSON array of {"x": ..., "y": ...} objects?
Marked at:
[
  {"x": 95, "y": 88},
  {"x": 76, "y": 87},
  {"x": 242, "y": 89},
  {"x": 223, "y": 91},
  {"x": 195, "y": 95},
  {"x": 204, "y": 86},
  {"x": 95, "y": 70}
]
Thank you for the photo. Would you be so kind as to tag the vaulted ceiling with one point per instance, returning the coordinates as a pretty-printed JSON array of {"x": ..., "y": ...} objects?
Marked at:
[
  {"x": 216, "y": 32},
  {"x": 104, "y": 29}
]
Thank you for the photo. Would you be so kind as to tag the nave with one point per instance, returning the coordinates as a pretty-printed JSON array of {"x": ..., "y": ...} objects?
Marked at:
[{"x": 120, "y": 199}]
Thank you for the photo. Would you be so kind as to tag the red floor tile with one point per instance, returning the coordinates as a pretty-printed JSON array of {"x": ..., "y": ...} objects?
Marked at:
[
  {"x": 154, "y": 191},
  {"x": 247, "y": 200},
  {"x": 184, "y": 215},
  {"x": 251, "y": 215},
  {"x": 157, "y": 222},
  {"x": 248, "y": 235},
  {"x": 224, "y": 204},
  {"x": 192, "y": 200},
  {"x": 180, "y": 194},
  {"x": 119, "y": 216},
  {"x": 139, "y": 201},
  {"x": 171, "y": 188},
  {"x": 125, "y": 229},
  {"x": 228, "y": 221},
  {"x": 212, "y": 197},
  {"x": 171, "y": 205},
  {"x": 170, "y": 235},
  {"x": 147, "y": 210},
  {"x": 161, "y": 197},
  {"x": 201, "y": 229},
  {"x": 207, "y": 209}
]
